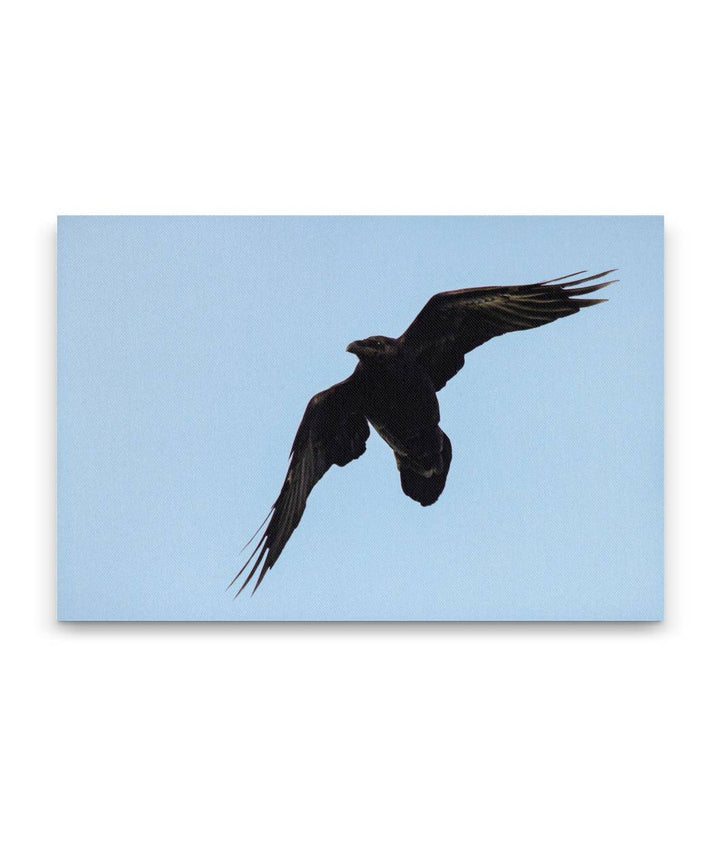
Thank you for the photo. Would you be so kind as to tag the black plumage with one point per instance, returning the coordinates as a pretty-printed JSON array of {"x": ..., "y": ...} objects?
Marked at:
[{"x": 393, "y": 388}]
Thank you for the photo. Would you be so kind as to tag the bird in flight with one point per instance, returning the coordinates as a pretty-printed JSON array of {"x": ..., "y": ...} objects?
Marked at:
[{"x": 394, "y": 388}]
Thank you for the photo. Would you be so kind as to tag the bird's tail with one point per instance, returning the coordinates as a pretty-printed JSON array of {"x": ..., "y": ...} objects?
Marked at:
[{"x": 425, "y": 489}]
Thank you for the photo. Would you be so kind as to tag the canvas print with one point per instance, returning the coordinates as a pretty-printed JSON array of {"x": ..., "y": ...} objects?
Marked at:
[{"x": 438, "y": 418}]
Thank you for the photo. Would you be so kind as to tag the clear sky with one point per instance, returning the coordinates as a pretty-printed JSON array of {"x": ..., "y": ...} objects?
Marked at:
[{"x": 189, "y": 347}]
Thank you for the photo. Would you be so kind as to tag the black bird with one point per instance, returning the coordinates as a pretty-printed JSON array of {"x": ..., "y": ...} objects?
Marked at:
[{"x": 393, "y": 388}]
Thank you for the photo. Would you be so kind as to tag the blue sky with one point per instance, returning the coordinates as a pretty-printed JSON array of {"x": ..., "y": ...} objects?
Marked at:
[{"x": 189, "y": 347}]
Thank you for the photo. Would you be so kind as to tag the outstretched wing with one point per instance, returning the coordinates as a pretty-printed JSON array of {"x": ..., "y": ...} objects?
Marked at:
[
  {"x": 333, "y": 431},
  {"x": 452, "y": 323}
]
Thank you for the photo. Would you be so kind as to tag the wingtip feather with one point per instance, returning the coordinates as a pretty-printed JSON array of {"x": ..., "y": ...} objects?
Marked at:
[
  {"x": 574, "y": 282},
  {"x": 558, "y": 278},
  {"x": 581, "y": 304},
  {"x": 588, "y": 289}
]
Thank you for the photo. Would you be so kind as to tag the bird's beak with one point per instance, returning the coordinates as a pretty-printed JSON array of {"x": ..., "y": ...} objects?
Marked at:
[{"x": 354, "y": 348}]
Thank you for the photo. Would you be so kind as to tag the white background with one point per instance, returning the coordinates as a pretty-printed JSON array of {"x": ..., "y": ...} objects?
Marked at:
[{"x": 359, "y": 739}]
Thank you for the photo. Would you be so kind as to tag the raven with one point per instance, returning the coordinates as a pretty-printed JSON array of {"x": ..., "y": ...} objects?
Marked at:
[{"x": 393, "y": 388}]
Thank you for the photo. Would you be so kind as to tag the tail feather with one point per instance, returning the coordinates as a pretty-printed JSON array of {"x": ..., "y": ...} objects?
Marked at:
[{"x": 425, "y": 489}]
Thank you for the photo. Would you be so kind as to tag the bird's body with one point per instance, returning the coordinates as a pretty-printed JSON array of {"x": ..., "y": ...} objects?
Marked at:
[
  {"x": 394, "y": 388},
  {"x": 400, "y": 402}
]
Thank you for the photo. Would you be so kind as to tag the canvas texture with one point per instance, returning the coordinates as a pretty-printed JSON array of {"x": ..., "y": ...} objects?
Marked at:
[{"x": 189, "y": 348}]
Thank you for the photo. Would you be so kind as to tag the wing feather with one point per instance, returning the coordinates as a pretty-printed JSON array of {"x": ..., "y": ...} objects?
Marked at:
[
  {"x": 453, "y": 323},
  {"x": 333, "y": 430}
]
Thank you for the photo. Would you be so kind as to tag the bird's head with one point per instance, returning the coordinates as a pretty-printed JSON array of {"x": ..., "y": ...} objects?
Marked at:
[{"x": 373, "y": 350}]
